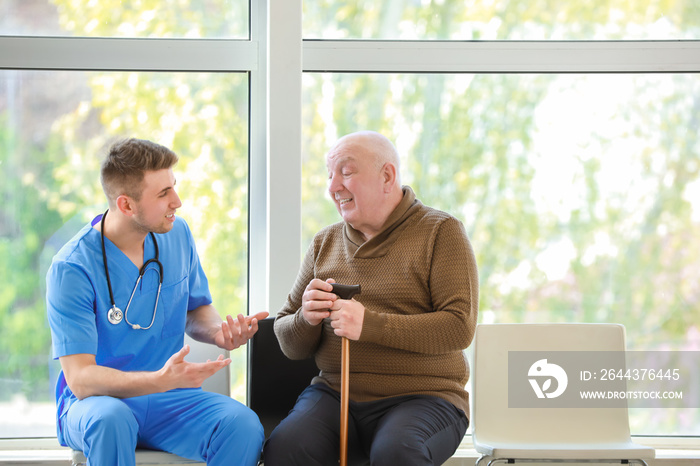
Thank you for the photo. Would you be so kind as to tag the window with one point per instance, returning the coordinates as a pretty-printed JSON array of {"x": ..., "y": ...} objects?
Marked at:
[
  {"x": 55, "y": 126},
  {"x": 53, "y": 146},
  {"x": 501, "y": 20},
  {"x": 551, "y": 134},
  {"x": 581, "y": 202},
  {"x": 115, "y": 18}
]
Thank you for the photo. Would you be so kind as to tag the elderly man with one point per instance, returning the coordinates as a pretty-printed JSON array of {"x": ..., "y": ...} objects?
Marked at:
[{"x": 407, "y": 329}]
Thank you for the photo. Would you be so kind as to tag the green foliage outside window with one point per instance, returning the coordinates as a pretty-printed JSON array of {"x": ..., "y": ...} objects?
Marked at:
[
  {"x": 601, "y": 228},
  {"x": 53, "y": 189},
  {"x": 502, "y": 20}
]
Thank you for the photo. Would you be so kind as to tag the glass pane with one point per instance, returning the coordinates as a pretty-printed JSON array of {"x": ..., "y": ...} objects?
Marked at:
[
  {"x": 126, "y": 18},
  {"x": 49, "y": 163},
  {"x": 502, "y": 20},
  {"x": 580, "y": 193}
]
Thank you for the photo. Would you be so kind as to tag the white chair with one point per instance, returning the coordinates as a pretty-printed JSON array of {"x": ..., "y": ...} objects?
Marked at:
[
  {"x": 218, "y": 383},
  {"x": 545, "y": 435}
]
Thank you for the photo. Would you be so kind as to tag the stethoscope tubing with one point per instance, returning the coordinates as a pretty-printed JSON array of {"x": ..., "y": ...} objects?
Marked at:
[{"x": 114, "y": 315}]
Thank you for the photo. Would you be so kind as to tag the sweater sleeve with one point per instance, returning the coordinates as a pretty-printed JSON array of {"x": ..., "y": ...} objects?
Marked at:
[
  {"x": 454, "y": 292},
  {"x": 298, "y": 339}
]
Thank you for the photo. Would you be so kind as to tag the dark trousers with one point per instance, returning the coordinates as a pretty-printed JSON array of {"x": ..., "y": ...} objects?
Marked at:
[{"x": 405, "y": 430}]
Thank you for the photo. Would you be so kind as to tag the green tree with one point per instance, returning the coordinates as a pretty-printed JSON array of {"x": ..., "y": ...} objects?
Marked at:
[{"x": 24, "y": 335}]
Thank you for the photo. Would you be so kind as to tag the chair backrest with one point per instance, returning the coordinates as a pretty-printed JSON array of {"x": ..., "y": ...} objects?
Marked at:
[
  {"x": 274, "y": 381},
  {"x": 220, "y": 382},
  {"x": 493, "y": 421}
]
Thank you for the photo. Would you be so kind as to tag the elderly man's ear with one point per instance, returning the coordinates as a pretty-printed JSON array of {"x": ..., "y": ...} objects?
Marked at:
[{"x": 389, "y": 173}]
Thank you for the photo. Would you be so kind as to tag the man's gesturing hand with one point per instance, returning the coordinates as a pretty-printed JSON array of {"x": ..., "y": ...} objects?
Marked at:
[
  {"x": 178, "y": 373},
  {"x": 237, "y": 332}
]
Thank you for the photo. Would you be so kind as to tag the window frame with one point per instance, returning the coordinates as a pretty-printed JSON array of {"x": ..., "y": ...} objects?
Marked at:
[{"x": 348, "y": 56}]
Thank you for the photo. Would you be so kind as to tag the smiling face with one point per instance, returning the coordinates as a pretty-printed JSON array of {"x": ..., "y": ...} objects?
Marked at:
[
  {"x": 155, "y": 210},
  {"x": 362, "y": 182}
]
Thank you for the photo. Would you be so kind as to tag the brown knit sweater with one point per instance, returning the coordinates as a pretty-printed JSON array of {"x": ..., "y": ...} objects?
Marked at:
[{"x": 421, "y": 294}]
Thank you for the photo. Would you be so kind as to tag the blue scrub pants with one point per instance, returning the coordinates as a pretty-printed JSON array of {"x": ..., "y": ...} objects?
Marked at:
[
  {"x": 405, "y": 430},
  {"x": 192, "y": 423}
]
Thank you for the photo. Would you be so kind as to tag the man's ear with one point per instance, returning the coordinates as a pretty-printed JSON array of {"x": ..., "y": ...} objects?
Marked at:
[
  {"x": 125, "y": 205},
  {"x": 389, "y": 174}
]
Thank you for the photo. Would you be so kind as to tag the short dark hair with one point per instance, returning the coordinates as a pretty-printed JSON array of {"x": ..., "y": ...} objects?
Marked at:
[{"x": 123, "y": 168}]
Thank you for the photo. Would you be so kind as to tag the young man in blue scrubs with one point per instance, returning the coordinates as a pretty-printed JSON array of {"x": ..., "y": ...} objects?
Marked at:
[{"x": 120, "y": 297}]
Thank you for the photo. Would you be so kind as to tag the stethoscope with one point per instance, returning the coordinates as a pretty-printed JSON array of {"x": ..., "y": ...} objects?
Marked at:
[{"x": 115, "y": 315}]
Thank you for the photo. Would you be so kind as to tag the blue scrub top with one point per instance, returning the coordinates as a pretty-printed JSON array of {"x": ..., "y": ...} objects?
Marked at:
[{"x": 78, "y": 301}]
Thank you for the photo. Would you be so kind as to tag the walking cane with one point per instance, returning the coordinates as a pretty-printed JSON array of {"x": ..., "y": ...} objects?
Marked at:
[{"x": 344, "y": 292}]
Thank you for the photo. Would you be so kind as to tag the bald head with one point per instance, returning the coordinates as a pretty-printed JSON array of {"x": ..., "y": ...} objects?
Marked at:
[
  {"x": 363, "y": 180},
  {"x": 375, "y": 146}
]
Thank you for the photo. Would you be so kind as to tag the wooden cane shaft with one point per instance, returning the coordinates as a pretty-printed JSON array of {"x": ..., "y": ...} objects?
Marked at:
[{"x": 344, "y": 400}]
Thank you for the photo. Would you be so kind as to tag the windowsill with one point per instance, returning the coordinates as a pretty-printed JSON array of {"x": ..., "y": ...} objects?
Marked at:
[
  {"x": 674, "y": 451},
  {"x": 33, "y": 450},
  {"x": 670, "y": 451}
]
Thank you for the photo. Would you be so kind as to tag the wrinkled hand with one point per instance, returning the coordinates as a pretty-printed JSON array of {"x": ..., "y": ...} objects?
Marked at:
[
  {"x": 178, "y": 373},
  {"x": 236, "y": 332},
  {"x": 317, "y": 300},
  {"x": 347, "y": 317}
]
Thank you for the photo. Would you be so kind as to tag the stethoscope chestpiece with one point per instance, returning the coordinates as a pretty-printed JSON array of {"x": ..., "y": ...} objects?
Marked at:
[{"x": 115, "y": 315}]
